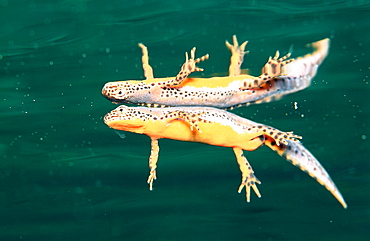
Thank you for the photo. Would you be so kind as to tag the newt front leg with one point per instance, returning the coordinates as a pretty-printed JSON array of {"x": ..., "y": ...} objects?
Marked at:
[
  {"x": 187, "y": 68},
  {"x": 148, "y": 70},
  {"x": 153, "y": 159},
  {"x": 191, "y": 118}
]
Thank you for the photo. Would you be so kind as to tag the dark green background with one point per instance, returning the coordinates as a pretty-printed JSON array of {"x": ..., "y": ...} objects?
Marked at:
[{"x": 64, "y": 175}]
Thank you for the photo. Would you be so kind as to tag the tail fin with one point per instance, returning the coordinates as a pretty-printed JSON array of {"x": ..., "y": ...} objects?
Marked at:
[
  {"x": 299, "y": 156},
  {"x": 308, "y": 64}
]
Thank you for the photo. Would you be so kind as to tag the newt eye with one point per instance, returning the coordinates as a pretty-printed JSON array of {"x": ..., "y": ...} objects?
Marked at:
[{"x": 120, "y": 92}]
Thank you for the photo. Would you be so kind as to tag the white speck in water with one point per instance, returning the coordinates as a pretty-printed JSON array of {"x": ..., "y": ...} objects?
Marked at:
[
  {"x": 363, "y": 137},
  {"x": 295, "y": 105}
]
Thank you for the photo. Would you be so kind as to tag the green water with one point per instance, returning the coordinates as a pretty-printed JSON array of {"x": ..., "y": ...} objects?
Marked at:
[{"x": 64, "y": 175}]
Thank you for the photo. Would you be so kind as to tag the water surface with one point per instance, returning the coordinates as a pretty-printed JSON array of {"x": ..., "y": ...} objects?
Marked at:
[{"x": 65, "y": 175}]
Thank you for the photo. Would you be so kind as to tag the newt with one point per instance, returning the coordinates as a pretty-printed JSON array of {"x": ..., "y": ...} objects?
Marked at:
[
  {"x": 279, "y": 77},
  {"x": 220, "y": 128}
]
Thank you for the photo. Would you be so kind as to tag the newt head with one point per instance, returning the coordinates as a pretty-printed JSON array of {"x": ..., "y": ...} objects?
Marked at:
[
  {"x": 117, "y": 91},
  {"x": 124, "y": 119}
]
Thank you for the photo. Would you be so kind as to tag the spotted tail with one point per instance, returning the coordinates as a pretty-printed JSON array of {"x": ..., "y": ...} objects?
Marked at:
[{"x": 299, "y": 156}]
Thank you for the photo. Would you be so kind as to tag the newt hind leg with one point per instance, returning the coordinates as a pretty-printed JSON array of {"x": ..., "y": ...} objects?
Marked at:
[
  {"x": 278, "y": 136},
  {"x": 237, "y": 56},
  {"x": 274, "y": 65},
  {"x": 248, "y": 178},
  {"x": 272, "y": 69}
]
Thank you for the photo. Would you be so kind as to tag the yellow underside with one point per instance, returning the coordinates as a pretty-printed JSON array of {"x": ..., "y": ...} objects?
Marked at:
[{"x": 211, "y": 133}]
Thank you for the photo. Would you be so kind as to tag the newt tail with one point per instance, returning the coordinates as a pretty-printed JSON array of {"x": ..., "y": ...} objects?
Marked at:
[{"x": 295, "y": 153}]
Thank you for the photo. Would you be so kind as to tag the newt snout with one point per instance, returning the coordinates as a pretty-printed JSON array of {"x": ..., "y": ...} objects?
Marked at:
[{"x": 114, "y": 91}]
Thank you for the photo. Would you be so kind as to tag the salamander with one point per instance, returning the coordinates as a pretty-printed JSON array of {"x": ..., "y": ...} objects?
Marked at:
[
  {"x": 280, "y": 76},
  {"x": 220, "y": 128}
]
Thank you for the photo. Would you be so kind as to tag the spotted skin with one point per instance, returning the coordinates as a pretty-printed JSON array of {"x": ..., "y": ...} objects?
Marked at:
[
  {"x": 299, "y": 156},
  {"x": 220, "y": 128},
  {"x": 280, "y": 76}
]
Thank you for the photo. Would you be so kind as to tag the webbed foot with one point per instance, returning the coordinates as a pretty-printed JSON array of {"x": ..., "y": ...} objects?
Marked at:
[
  {"x": 248, "y": 182},
  {"x": 190, "y": 64},
  {"x": 151, "y": 178}
]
